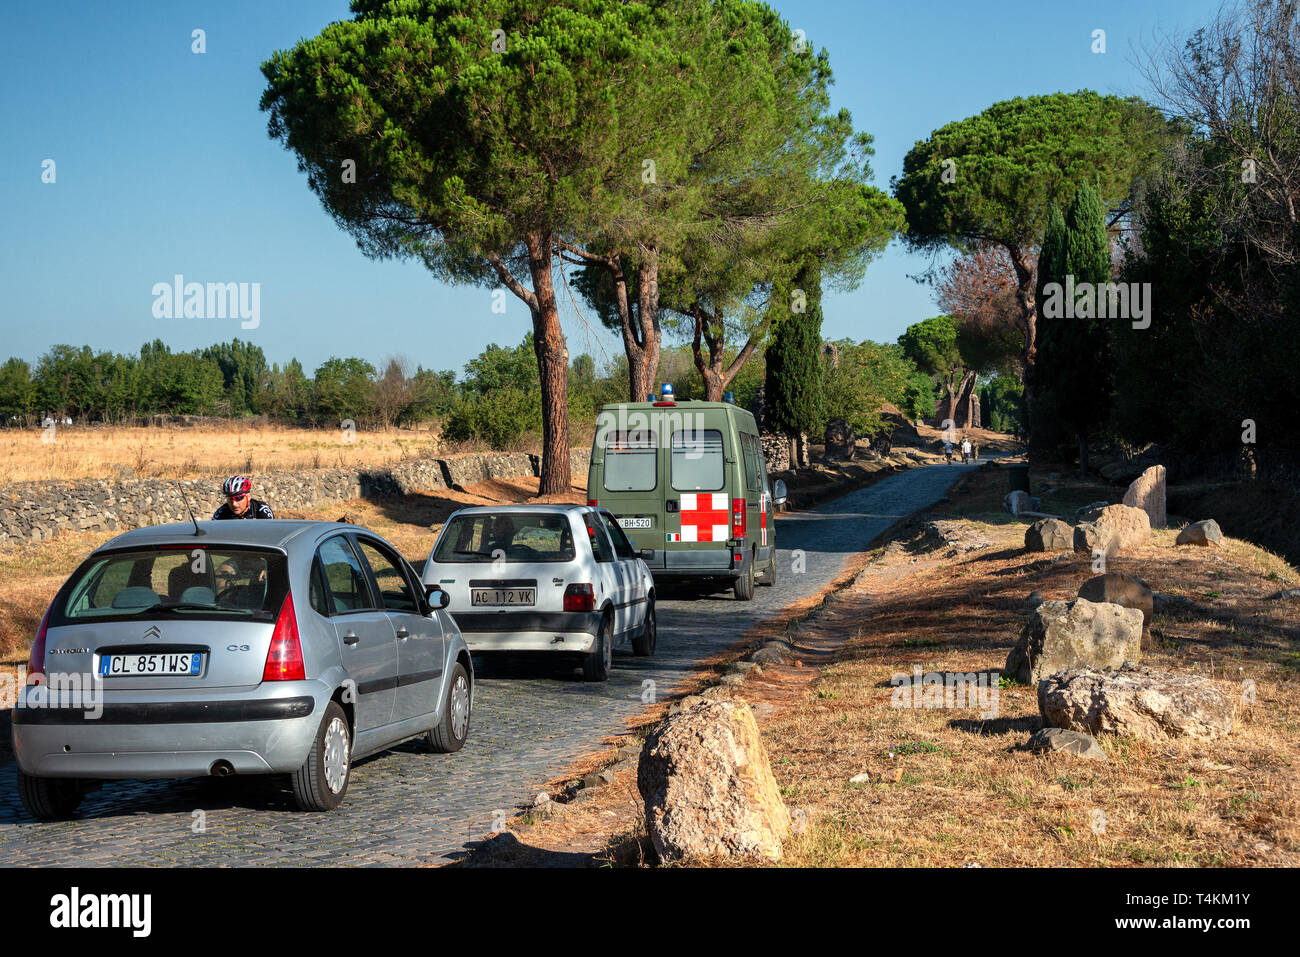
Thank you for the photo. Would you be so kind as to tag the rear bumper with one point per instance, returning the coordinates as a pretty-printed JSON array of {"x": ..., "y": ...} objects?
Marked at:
[
  {"x": 556, "y": 631},
  {"x": 138, "y": 736}
]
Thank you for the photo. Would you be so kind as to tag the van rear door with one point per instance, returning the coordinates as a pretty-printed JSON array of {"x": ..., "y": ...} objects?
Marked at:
[
  {"x": 698, "y": 500},
  {"x": 630, "y": 487}
]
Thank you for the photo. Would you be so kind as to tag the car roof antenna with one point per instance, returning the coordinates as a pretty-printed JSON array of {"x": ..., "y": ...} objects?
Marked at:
[{"x": 185, "y": 498}]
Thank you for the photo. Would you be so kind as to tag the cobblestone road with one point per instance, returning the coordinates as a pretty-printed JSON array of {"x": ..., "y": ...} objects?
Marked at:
[{"x": 407, "y": 807}]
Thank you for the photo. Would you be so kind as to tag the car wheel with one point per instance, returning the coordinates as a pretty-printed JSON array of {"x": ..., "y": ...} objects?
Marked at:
[
  {"x": 744, "y": 587},
  {"x": 49, "y": 799},
  {"x": 598, "y": 663},
  {"x": 644, "y": 644},
  {"x": 449, "y": 734},
  {"x": 321, "y": 782}
]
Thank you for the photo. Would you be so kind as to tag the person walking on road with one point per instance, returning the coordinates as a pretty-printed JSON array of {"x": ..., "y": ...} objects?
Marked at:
[{"x": 965, "y": 450}]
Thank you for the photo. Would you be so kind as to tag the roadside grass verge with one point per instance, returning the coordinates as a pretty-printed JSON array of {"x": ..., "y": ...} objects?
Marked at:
[{"x": 970, "y": 794}]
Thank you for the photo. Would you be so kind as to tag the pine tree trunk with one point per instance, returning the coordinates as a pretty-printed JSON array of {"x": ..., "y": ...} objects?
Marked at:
[{"x": 553, "y": 371}]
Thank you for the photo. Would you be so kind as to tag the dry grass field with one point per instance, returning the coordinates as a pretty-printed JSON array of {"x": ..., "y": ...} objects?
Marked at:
[
  {"x": 945, "y": 787},
  {"x": 203, "y": 450}
]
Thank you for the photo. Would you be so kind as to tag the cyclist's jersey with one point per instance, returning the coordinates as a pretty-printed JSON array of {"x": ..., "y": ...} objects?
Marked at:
[{"x": 256, "y": 509}]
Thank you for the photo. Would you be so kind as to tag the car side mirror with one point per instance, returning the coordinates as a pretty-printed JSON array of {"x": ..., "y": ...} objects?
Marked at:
[
  {"x": 778, "y": 493},
  {"x": 647, "y": 554},
  {"x": 436, "y": 597}
]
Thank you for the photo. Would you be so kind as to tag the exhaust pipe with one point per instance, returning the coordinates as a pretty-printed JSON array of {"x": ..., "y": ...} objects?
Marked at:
[{"x": 221, "y": 769}]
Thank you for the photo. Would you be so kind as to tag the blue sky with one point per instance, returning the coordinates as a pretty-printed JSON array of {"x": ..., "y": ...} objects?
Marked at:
[{"x": 164, "y": 166}]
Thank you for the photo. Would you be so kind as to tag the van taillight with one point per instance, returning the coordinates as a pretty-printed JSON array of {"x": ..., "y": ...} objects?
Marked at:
[
  {"x": 579, "y": 598},
  {"x": 36, "y": 660},
  {"x": 737, "y": 518},
  {"x": 284, "y": 657},
  {"x": 591, "y": 502}
]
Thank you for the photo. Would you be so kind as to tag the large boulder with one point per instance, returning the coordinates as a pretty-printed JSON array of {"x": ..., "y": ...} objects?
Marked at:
[
  {"x": 1137, "y": 702},
  {"x": 1148, "y": 493},
  {"x": 1120, "y": 589},
  {"x": 1049, "y": 535},
  {"x": 708, "y": 788},
  {"x": 1202, "y": 533},
  {"x": 1131, "y": 526},
  {"x": 1061, "y": 635}
]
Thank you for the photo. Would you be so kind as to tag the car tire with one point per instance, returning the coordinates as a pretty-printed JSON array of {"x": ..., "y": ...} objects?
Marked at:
[
  {"x": 449, "y": 734},
  {"x": 598, "y": 663},
  {"x": 644, "y": 644},
  {"x": 744, "y": 587},
  {"x": 49, "y": 799},
  {"x": 770, "y": 577},
  {"x": 322, "y": 781}
]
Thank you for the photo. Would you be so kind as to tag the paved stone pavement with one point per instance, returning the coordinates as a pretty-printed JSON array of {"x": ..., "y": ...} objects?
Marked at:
[{"x": 405, "y": 806}]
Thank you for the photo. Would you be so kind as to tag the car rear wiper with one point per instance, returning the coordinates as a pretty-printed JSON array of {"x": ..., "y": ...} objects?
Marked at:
[{"x": 196, "y": 606}]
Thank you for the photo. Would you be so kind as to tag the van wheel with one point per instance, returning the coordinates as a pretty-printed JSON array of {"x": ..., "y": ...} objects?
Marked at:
[
  {"x": 321, "y": 782},
  {"x": 598, "y": 663},
  {"x": 769, "y": 577},
  {"x": 49, "y": 799},
  {"x": 744, "y": 586},
  {"x": 644, "y": 644}
]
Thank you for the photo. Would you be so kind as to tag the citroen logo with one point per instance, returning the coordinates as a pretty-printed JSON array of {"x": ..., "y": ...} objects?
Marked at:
[{"x": 153, "y": 632}]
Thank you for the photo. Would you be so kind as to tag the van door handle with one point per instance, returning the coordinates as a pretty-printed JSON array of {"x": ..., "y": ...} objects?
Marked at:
[{"x": 350, "y": 638}]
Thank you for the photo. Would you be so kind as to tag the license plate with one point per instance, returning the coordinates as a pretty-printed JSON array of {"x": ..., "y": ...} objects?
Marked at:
[
  {"x": 502, "y": 596},
  {"x": 154, "y": 663},
  {"x": 635, "y": 522}
]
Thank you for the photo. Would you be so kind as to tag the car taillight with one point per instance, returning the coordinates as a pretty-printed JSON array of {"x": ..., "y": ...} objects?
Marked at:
[
  {"x": 591, "y": 502},
  {"x": 284, "y": 657},
  {"x": 36, "y": 660},
  {"x": 737, "y": 518},
  {"x": 579, "y": 598}
]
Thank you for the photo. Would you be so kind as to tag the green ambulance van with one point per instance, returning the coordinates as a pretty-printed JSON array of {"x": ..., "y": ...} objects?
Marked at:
[{"x": 687, "y": 482}]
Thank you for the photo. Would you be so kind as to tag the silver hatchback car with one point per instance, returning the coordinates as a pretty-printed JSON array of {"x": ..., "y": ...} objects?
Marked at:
[
  {"x": 220, "y": 648},
  {"x": 555, "y": 579}
]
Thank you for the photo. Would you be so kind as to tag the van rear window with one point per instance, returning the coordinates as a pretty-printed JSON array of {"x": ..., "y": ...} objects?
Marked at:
[
  {"x": 697, "y": 462},
  {"x": 631, "y": 461}
]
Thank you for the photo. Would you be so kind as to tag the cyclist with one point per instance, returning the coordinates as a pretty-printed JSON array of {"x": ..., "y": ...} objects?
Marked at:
[{"x": 239, "y": 501}]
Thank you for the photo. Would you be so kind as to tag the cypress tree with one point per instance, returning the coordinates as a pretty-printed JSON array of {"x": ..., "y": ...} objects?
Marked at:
[
  {"x": 793, "y": 385},
  {"x": 1073, "y": 378}
]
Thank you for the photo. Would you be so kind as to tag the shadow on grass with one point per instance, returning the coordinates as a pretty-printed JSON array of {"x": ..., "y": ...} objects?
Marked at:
[{"x": 994, "y": 726}]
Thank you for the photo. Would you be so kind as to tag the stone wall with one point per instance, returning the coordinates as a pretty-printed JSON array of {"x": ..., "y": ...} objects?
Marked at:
[{"x": 37, "y": 511}]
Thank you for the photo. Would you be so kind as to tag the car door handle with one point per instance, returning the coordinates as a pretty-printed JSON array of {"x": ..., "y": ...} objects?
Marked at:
[
  {"x": 403, "y": 633},
  {"x": 350, "y": 638}
]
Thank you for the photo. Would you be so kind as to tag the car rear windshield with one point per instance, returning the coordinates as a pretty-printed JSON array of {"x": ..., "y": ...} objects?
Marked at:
[
  {"x": 631, "y": 461},
  {"x": 698, "y": 464},
  {"x": 506, "y": 536},
  {"x": 187, "y": 581}
]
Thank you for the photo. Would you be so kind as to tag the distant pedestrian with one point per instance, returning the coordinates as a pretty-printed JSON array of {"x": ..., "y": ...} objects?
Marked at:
[
  {"x": 947, "y": 452},
  {"x": 965, "y": 451}
]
